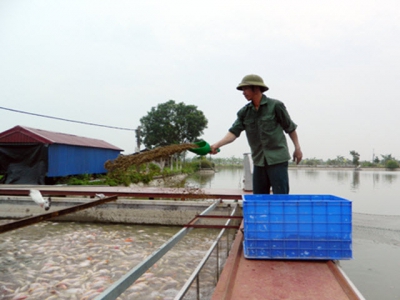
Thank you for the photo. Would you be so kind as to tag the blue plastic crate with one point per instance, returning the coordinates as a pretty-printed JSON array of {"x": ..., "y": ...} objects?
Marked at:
[{"x": 297, "y": 227}]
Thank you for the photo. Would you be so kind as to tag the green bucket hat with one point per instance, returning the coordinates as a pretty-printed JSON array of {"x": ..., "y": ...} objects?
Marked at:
[{"x": 252, "y": 79}]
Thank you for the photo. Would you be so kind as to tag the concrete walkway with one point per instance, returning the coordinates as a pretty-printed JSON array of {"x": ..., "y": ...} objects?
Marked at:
[{"x": 244, "y": 278}]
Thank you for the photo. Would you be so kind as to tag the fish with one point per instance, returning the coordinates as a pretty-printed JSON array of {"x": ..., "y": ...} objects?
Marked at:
[
  {"x": 20, "y": 296},
  {"x": 63, "y": 262},
  {"x": 84, "y": 264},
  {"x": 38, "y": 198}
]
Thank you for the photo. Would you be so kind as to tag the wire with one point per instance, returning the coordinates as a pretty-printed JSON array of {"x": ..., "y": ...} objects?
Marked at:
[{"x": 67, "y": 120}]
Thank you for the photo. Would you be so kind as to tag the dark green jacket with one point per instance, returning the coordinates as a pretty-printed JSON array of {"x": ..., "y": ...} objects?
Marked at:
[{"x": 265, "y": 129}]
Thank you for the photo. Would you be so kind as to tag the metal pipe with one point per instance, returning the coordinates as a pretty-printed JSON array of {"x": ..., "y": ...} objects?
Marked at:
[
  {"x": 198, "y": 286},
  {"x": 218, "y": 261},
  {"x": 175, "y": 193},
  {"x": 196, "y": 272},
  {"x": 36, "y": 219}
]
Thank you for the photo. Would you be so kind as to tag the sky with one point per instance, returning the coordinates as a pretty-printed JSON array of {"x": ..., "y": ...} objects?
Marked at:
[{"x": 335, "y": 65}]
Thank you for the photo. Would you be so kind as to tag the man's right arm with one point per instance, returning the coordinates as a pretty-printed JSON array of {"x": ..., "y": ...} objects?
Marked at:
[{"x": 228, "y": 138}]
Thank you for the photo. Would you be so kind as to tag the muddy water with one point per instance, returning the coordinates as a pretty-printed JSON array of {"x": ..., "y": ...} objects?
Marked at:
[{"x": 78, "y": 261}]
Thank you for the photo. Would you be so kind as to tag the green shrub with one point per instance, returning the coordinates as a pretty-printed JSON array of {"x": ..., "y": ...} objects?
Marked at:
[
  {"x": 392, "y": 164},
  {"x": 188, "y": 168},
  {"x": 110, "y": 182},
  {"x": 206, "y": 164},
  {"x": 134, "y": 174},
  {"x": 83, "y": 179},
  {"x": 154, "y": 168},
  {"x": 367, "y": 164},
  {"x": 146, "y": 178},
  {"x": 202, "y": 163}
]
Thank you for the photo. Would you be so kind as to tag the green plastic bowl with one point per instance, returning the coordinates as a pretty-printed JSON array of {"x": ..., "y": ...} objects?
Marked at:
[{"x": 203, "y": 148}]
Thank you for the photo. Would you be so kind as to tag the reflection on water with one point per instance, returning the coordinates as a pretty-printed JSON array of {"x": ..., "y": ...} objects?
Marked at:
[
  {"x": 200, "y": 179},
  {"x": 228, "y": 178},
  {"x": 389, "y": 178},
  {"x": 340, "y": 177},
  {"x": 356, "y": 180},
  {"x": 371, "y": 191},
  {"x": 311, "y": 174}
]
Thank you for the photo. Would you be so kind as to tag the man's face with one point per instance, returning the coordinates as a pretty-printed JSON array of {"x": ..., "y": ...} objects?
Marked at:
[{"x": 248, "y": 92}]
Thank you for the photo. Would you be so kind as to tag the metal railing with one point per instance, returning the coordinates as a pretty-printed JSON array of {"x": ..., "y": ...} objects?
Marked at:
[
  {"x": 58, "y": 213},
  {"x": 196, "y": 272},
  {"x": 118, "y": 287}
]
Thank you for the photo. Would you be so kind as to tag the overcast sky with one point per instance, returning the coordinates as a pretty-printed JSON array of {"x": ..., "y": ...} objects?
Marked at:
[{"x": 335, "y": 65}]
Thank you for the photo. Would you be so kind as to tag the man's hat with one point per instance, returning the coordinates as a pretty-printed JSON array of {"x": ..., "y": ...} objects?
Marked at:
[{"x": 252, "y": 79}]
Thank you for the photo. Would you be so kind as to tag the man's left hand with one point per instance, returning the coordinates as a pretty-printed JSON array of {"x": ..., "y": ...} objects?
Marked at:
[{"x": 297, "y": 156}]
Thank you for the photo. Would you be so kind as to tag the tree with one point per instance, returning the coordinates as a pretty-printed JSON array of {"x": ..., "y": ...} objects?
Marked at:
[
  {"x": 392, "y": 164},
  {"x": 311, "y": 161},
  {"x": 389, "y": 161},
  {"x": 172, "y": 123},
  {"x": 356, "y": 158},
  {"x": 386, "y": 158}
]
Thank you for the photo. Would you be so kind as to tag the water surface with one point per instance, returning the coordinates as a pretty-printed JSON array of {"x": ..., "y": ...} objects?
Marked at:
[{"x": 375, "y": 197}]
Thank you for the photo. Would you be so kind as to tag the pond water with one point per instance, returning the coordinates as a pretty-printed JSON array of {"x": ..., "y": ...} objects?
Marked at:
[
  {"x": 372, "y": 192},
  {"x": 69, "y": 260},
  {"x": 375, "y": 197}
]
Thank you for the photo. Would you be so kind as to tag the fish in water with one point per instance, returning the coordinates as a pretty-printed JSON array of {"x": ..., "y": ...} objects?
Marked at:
[{"x": 38, "y": 198}]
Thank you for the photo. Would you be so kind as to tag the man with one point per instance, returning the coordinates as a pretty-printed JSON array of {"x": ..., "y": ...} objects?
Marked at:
[{"x": 265, "y": 121}]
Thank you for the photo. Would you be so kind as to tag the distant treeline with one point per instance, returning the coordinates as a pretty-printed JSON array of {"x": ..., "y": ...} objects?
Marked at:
[
  {"x": 385, "y": 161},
  {"x": 224, "y": 162}
]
